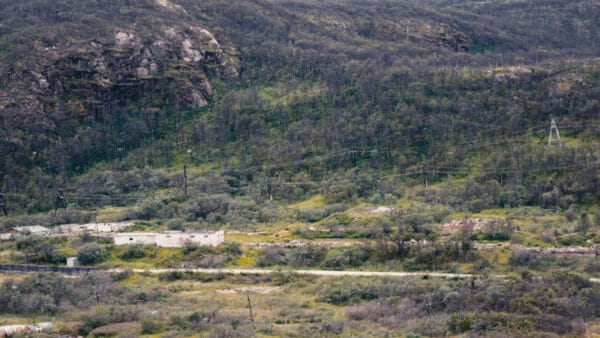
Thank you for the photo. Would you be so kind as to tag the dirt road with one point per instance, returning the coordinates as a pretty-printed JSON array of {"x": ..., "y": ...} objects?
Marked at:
[{"x": 317, "y": 272}]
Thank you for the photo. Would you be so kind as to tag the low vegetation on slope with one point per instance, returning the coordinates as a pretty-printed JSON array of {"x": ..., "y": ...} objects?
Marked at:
[{"x": 393, "y": 135}]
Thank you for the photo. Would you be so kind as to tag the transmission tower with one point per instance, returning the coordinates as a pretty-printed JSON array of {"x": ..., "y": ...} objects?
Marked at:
[
  {"x": 551, "y": 139},
  {"x": 60, "y": 202}
]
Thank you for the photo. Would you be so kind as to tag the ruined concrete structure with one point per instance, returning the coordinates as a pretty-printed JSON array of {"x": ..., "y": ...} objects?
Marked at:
[
  {"x": 24, "y": 230},
  {"x": 170, "y": 239},
  {"x": 98, "y": 227}
]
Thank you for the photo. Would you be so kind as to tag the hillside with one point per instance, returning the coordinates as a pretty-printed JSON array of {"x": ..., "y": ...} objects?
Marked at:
[
  {"x": 389, "y": 88},
  {"x": 400, "y": 136}
]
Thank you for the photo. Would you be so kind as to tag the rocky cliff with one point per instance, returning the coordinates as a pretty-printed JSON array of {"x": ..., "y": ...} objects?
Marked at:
[
  {"x": 172, "y": 67},
  {"x": 62, "y": 97}
]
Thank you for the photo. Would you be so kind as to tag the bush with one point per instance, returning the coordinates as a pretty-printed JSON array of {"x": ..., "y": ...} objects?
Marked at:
[
  {"x": 345, "y": 291},
  {"x": 149, "y": 208},
  {"x": 104, "y": 315},
  {"x": 459, "y": 323},
  {"x": 349, "y": 257},
  {"x": 121, "y": 275},
  {"x": 133, "y": 252},
  {"x": 530, "y": 260},
  {"x": 304, "y": 256},
  {"x": 270, "y": 256},
  {"x": 90, "y": 254},
  {"x": 41, "y": 250},
  {"x": 593, "y": 266},
  {"x": 311, "y": 215},
  {"x": 151, "y": 325}
]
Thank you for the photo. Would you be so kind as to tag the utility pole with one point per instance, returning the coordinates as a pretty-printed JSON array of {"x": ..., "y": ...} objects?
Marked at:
[
  {"x": 60, "y": 202},
  {"x": 189, "y": 157},
  {"x": 97, "y": 230},
  {"x": 3, "y": 203},
  {"x": 269, "y": 188},
  {"x": 185, "y": 180},
  {"x": 425, "y": 178},
  {"x": 428, "y": 304},
  {"x": 251, "y": 314},
  {"x": 551, "y": 139}
]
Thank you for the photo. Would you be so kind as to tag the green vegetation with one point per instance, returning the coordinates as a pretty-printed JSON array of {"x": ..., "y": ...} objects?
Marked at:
[
  {"x": 339, "y": 135},
  {"x": 555, "y": 303}
]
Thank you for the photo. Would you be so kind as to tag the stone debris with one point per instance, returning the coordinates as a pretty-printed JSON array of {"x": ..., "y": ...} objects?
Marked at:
[
  {"x": 382, "y": 209},
  {"x": 566, "y": 250},
  {"x": 476, "y": 224},
  {"x": 24, "y": 329},
  {"x": 257, "y": 289},
  {"x": 572, "y": 250}
]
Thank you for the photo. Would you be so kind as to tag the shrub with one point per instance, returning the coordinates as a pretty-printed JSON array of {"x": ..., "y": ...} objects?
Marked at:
[
  {"x": 459, "y": 323},
  {"x": 531, "y": 260},
  {"x": 231, "y": 248},
  {"x": 133, "y": 252},
  {"x": 593, "y": 266},
  {"x": 104, "y": 315},
  {"x": 41, "y": 250},
  {"x": 345, "y": 291},
  {"x": 90, "y": 254},
  {"x": 121, "y": 275},
  {"x": 274, "y": 255},
  {"x": 151, "y": 325},
  {"x": 349, "y": 257},
  {"x": 308, "y": 255}
]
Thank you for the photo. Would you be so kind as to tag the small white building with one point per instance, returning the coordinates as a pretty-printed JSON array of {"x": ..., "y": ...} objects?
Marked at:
[
  {"x": 148, "y": 238},
  {"x": 71, "y": 262},
  {"x": 171, "y": 239},
  {"x": 24, "y": 230}
]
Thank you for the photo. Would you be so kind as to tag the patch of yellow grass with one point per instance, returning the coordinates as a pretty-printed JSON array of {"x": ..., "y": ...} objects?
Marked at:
[
  {"x": 284, "y": 95},
  {"x": 112, "y": 214},
  {"x": 246, "y": 261},
  {"x": 313, "y": 202}
]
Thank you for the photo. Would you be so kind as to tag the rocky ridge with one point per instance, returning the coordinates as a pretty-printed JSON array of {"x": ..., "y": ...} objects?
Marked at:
[{"x": 172, "y": 67}]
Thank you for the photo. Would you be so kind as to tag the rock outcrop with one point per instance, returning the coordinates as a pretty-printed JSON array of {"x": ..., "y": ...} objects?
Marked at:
[
  {"x": 68, "y": 99},
  {"x": 171, "y": 67}
]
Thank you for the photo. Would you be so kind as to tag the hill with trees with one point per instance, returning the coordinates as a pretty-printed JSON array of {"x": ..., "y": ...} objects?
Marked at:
[
  {"x": 347, "y": 99},
  {"x": 384, "y": 135}
]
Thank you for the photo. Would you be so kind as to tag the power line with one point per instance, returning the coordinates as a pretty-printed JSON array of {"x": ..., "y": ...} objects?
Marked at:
[
  {"x": 472, "y": 145},
  {"x": 80, "y": 196}
]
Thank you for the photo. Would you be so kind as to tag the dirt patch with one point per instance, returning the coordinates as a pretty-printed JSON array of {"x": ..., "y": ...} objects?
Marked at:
[
  {"x": 247, "y": 233},
  {"x": 125, "y": 329},
  {"x": 374, "y": 210}
]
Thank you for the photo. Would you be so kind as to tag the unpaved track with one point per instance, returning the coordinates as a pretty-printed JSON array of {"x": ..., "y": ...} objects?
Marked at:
[
  {"x": 334, "y": 273},
  {"x": 316, "y": 272}
]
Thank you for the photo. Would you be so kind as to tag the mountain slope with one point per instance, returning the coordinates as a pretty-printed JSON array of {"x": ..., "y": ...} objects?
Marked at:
[{"x": 344, "y": 98}]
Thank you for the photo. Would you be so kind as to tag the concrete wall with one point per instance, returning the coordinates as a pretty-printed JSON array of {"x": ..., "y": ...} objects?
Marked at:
[
  {"x": 135, "y": 238},
  {"x": 178, "y": 239},
  {"x": 8, "y": 235},
  {"x": 171, "y": 239},
  {"x": 24, "y": 230},
  {"x": 93, "y": 227}
]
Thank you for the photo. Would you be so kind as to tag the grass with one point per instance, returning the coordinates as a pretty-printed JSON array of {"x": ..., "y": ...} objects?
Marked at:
[
  {"x": 248, "y": 260},
  {"x": 313, "y": 202},
  {"x": 113, "y": 214},
  {"x": 285, "y": 94}
]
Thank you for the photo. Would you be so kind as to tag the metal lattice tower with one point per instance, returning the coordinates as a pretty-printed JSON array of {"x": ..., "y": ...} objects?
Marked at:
[
  {"x": 60, "y": 202},
  {"x": 551, "y": 139}
]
